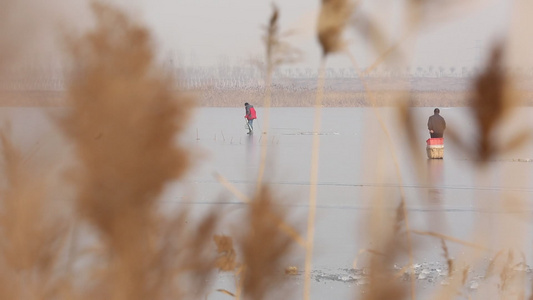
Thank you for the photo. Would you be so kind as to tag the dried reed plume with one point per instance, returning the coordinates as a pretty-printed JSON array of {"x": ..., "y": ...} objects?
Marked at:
[
  {"x": 446, "y": 254},
  {"x": 512, "y": 280},
  {"x": 333, "y": 18},
  {"x": 277, "y": 52},
  {"x": 121, "y": 109},
  {"x": 119, "y": 113},
  {"x": 33, "y": 231},
  {"x": 123, "y": 119},
  {"x": 265, "y": 249},
  {"x": 226, "y": 260},
  {"x": 391, "y": 244},
  {"x": 271, "y": 39},
  {"x": 489, "y": 105}
]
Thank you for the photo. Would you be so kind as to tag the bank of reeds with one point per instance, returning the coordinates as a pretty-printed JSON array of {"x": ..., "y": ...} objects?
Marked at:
[{"x": 285, "y": 97}]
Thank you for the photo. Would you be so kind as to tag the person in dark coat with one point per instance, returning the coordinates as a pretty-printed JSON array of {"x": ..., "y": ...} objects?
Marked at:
[{"x": 436, "y": 124}]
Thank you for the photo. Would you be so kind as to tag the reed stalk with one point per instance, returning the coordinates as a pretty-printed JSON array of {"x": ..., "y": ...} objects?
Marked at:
[
  {"x": 271, "y": 40},
  {"x": 397, "y": 169},
  {"x": 313, "y": 181}
]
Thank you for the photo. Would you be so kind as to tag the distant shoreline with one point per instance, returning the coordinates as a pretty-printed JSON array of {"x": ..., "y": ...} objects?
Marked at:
[
  {"x": 279, "y": 98},
  {"x": 284, "y": 98}
]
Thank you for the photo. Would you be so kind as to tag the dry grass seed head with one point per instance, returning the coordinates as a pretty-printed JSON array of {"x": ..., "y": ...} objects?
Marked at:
[
  {"x": 123, "y": 119},
  {"x": 488, "y": 103},
  {"x": 332, "y": 20},
  {"x": 449, "y": 260},
  {"x": 122, "y": 110},
  {"x": 278, "y": 50},
  {"x": 193, "y": 257},
  {"x": 399, "y": 217},
  {"x": 377, "y": 290},
  {"x": 492, "y": 264},
  {"x": 226, "y": 260},
  {"x": 272, "y": 32},
  {"x": 506, "y": 273},
  {"x": 223, "y": 291},
  {"x": 33, "y": 233},
  {"x": 393, "y": 246},
  {"x": 264, "y": 247},
  {"x": 464, "y": 277}
]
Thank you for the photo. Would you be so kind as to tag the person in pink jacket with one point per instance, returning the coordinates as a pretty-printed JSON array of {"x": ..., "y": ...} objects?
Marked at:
[{"x": 250, "y": 116}]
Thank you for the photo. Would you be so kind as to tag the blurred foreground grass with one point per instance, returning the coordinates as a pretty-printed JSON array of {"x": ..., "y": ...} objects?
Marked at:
[{"x": 123, "y": 115}]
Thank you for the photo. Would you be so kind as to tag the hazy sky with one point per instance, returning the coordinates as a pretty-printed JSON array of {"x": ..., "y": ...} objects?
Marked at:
[
  {"x": 209, "y": 32},
  {"x": 212, "y": 32}
]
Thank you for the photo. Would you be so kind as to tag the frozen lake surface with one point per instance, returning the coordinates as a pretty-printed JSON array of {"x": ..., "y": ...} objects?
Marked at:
[
  {"x": 360, "y": 163},
  {"x": 365, "y": 158}
]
